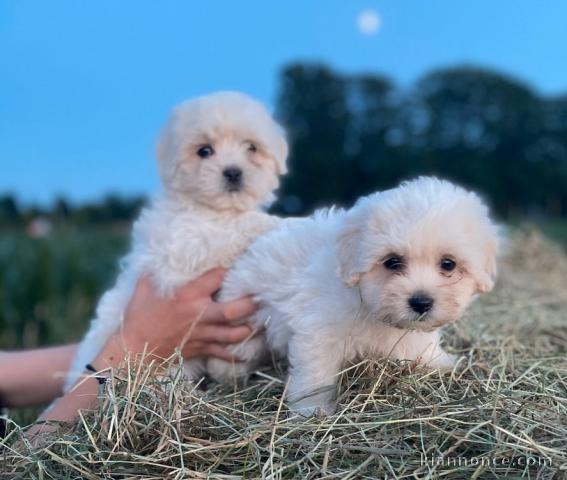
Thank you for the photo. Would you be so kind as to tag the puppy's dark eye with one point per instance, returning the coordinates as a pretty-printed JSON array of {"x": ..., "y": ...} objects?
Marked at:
[
  {"x": 252, "y": 147},
  {"x": 447, "y": 264},
  {"x": 205, "y": 151},
  {"x": 394, "y": 263}
]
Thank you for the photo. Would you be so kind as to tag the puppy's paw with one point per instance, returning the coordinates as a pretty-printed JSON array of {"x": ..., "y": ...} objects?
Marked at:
[
  {"x": 250, "y": 353},
  {"x": 194, "y": 370},
  {"x": 227, "y": 373},
  {"x": 443, "y": 361},
  {"x": 306, "y": 408}
]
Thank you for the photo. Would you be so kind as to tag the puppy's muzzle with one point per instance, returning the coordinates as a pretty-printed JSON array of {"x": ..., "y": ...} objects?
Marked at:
[
  {"x": 233, "y": 178},
  {"x": 420, "y": 303}
]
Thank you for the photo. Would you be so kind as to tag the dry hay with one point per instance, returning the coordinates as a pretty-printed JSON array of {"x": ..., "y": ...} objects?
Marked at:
[{"x": 501, "y": 414}]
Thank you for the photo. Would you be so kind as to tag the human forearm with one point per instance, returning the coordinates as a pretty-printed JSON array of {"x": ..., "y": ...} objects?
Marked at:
[{"x": 34, "y": 377}]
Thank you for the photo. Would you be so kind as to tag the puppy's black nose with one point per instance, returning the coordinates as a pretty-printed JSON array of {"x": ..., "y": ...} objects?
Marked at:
[
  {"x": 233, "y": 175},
  {"x": 420, "y": 303}
]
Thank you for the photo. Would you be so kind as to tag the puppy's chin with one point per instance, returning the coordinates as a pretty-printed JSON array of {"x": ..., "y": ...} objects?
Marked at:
[
  {"x": 209, "y": 188},
  {"x": 240, "y": 201},
  {"x": 410, "y": 321}
]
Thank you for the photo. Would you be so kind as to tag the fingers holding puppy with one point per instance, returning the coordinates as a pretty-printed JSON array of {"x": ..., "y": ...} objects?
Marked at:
[
  {"x": 203, "y": 286},
  {"x": 220, "y": 334},
  {"x": 198, "y": 295},
  {"x": 208, "y": 349},
  {"x": 217, "y": 325},
  {"x": 190, "y": 319},
  {"x": 229, "y": 312}
]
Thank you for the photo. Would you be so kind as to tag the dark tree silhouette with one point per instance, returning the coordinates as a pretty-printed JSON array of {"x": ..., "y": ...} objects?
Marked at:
[
  {"x": 313, "y": 106},
  {"x": 354, "y": 134},
  {"x": 9, "y": 210},
  {"x": 480, "y": 125}
]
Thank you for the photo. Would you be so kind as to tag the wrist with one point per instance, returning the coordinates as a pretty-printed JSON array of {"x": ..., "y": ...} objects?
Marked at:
[
  {"x": 120, "y": 346},
  {"x": 111, "y": 355},
  {"x": 131, "y": 343}
]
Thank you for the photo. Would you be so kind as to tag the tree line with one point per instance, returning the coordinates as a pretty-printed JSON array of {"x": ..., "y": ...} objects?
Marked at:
[
  {"x": 353, "y": 134},
  {"x": 111, "y": 209}
]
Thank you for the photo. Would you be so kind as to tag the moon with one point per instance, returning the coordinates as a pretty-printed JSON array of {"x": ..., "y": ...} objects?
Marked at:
[{"x": 368, "y": 22}]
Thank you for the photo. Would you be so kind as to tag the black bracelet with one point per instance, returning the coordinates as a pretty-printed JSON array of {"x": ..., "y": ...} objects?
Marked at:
[
  {"x": 101, "y": 380},
  {"x": 2, "y": 423}
]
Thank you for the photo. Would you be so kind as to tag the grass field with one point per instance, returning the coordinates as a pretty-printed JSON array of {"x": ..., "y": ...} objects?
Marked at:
[
  {"x": 554, "y": 229},
  {"x": 501, "y": 414},
  {"x": 49, "y": 286}
]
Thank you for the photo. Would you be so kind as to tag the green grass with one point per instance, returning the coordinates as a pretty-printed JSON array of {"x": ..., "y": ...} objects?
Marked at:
[
  {"x": 554, "y": 229},
  {"x": 49, "y": 286}
]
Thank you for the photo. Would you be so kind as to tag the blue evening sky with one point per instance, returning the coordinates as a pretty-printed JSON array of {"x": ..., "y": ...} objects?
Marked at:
[{"x": 85, "y": 85}]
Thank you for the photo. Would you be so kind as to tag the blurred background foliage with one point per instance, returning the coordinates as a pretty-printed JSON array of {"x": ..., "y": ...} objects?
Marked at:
[
  {"x": 349, "y": 135},
  {"x": 353, "y": 134},
  {"x": 49, "y": 285}
]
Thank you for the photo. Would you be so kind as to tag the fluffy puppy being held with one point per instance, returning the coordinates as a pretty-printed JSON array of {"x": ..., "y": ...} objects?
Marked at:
[
  {"x": 219, "y": 158},
  {"x": 378, "y": 280}
]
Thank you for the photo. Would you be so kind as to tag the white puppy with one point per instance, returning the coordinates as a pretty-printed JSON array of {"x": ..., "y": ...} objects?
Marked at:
[
  {"x": 378, "y": 280},
  {"x": 219, "y": 158}
]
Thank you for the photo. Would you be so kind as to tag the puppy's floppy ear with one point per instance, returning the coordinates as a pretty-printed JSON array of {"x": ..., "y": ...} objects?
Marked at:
[
  {"x": 349, "y": 241},
  {"x": 487, "y": 275},
  {"x": 167, "y": 150},
  {"x": 279, "y": 150}
]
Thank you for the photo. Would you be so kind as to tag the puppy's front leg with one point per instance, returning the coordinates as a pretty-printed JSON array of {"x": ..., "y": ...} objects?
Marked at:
[
  {"x": 250, "y": 353},
  {"x": 315, "y": 365},
  {"x": 425, "y": 347}
]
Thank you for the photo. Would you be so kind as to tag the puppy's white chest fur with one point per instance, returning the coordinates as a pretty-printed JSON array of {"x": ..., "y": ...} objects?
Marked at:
[{"x": 175, "y": 242}]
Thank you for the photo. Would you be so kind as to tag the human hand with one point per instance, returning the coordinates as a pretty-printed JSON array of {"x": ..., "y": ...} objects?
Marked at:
[{"x": 190, "y": 320}]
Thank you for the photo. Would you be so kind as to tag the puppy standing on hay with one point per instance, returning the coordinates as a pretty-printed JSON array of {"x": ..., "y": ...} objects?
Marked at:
[
  {"x": 219, "y": 158},
  {"x": 377, "y": 280}
]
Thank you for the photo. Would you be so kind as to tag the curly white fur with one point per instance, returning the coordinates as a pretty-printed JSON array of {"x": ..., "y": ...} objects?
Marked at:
[
  {"x": 203, "y": 220},
  {"x": 327, "y": 294}
]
